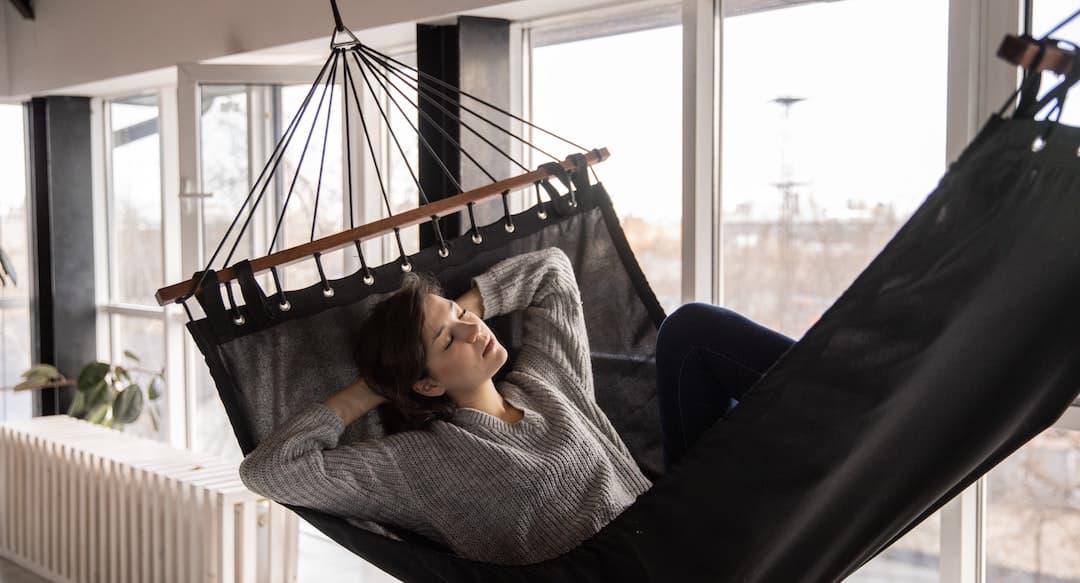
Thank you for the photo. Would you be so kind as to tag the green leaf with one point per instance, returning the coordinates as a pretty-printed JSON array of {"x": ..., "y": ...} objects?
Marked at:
[
  {"x": 36, "y": 383},
  {"x": 78, "y": 405},
  {"x": 92, "y": 374},
  {"x": 128, "y": 405},
  {"x": 131, "y": 355},
  {"x": 152, "y": 390},
  {"x": 98, "y": 413},
  {"x": 43, "y": 371},
  {"x": 95, "y": 393},
  {"x": 123, "y": 373}
]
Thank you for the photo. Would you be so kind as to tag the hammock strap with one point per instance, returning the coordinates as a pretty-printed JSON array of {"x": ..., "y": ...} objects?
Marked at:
[
  {"x": 1061, "y": 25},
  {"x": 283, "y": 303},
  {"x": 458, "y": 91},
  {"x": 445, "y": 134},
  {"x": 539, "y": 202},
  {"x": 425, "y": 92},
  {"x": 442, "y": 109},
  {"x": 303, "y": 154},
  {"x": 509, "y": 224},
  {"x": 322, "y": 158},
  {"x": 367, "y": 134},
  {"x": 271, "y": 164},
  {"x": 327, "y": 290},
  {"x": 405, "y": 265}
]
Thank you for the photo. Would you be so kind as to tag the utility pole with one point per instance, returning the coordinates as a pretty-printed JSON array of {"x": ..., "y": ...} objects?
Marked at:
[{"x": 789, "y": 209}]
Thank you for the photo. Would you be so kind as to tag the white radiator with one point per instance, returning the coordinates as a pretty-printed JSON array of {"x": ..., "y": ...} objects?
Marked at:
[{"x": 83, "y": 503}]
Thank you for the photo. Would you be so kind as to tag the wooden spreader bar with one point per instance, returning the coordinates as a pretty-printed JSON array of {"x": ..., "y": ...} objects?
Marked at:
[
  {"x": 424, "y": 213},
  {"x": 1024, "y": 52}
]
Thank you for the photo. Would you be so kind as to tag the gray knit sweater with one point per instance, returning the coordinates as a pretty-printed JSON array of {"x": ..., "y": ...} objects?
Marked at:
[{"x": 490, "y": 490}]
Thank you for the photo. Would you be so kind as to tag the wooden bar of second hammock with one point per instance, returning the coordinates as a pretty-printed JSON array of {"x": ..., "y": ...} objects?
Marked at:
[
  {"x": 1024, "y": 52},
  {"x": 439, "y": 208}
]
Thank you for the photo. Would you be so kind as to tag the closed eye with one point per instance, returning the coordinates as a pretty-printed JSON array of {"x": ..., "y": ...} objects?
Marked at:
[{"x": 460, "y": 316}]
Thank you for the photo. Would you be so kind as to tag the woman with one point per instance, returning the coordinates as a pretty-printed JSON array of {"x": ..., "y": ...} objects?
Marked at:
[{"x": 512, "y": 473}]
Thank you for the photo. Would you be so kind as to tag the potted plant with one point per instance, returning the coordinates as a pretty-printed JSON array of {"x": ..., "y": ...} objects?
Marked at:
[{"x": 106, "y": 394}]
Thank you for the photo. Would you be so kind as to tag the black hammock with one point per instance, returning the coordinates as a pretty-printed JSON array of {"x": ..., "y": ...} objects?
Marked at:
[{"x": 956, "y": 345}]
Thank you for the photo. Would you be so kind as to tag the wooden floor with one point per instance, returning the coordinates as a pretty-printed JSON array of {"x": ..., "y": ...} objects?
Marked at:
[{"x": 12, "y": 573}]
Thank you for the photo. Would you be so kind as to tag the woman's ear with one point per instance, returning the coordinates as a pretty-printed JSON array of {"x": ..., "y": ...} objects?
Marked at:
[{"x": 428, "y": 387}]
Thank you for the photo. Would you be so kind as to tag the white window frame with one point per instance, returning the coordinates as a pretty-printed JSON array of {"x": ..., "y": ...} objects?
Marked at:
[{"x": 104, "y": 277}]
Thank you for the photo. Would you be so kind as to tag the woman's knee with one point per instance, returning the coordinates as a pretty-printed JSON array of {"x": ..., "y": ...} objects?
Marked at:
[{"x": 686, "y": 322}]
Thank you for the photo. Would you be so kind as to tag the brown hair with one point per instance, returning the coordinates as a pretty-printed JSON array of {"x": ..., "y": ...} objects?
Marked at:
[{"x": 392, "y": 356}]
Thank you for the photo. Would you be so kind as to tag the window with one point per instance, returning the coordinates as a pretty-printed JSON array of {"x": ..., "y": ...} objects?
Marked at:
[
  {"x": 640, "y": 85},
  {"x": 14, "y": 298},
  {"x": 821, "y": 166},
  {"x": 130, "y": 316},
  {"x": 1033, "y": 512}
]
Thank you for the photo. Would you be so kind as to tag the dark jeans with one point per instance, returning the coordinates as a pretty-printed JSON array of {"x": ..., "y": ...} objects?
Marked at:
[{"x": 706, "y": 358}]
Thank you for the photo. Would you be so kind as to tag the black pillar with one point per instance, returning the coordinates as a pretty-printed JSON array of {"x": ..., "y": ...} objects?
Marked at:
[
  {"x": 64, "y": 316},
  {"x": 473, "y": 55},
  {"x": 437, "y": 55}
]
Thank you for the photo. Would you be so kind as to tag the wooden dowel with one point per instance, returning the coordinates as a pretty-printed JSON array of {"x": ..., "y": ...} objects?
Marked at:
[
  {"x": 1023, "y": 52},
  {"x": 377, "y": 228}
]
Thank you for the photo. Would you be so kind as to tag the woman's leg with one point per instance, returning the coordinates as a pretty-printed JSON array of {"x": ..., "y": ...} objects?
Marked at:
[{"x": 706, "y": 358}]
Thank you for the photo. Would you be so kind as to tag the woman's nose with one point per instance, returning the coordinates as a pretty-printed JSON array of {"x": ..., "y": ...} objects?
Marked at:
[{"x": 468, "y": 331}]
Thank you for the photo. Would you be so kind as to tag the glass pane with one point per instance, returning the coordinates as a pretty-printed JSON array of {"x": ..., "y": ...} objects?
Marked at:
[
  {"x": 224, "y": 151},
  {"x": 135, "y": 209},
  {"x": 15, "y": 351},
  {"x": 641, "y": 124},
  {"x": 1047, "y": 15},
  {"x": 14, "y": 294},
  {"x": 818, "y": 174},
  {"x": 145, "y": 338},
  {"x": 1033, "y": 512},
  {"x": 309, "y": 200}
]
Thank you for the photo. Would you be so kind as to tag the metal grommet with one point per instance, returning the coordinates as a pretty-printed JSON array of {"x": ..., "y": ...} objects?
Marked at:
[
  {"x": 542, "y": 214},
  {"x": 239, "y": 320},
  {"x": 406, "y": 267},
  {"x": 1038, "y": 144},
  {"x": 285, "y": 306},
  {"x": 477, "y": 238},
  {"x": 328, "y": 292},
  {"x": 573, "y": 203},
  {"x": 444, "y": 252},
  {"x": 509, "y": 227},
  {"x": 369, "y": 279}
]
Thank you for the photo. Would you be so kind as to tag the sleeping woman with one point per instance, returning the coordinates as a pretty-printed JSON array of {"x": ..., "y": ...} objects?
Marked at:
[{"x": 512, "y": 472}]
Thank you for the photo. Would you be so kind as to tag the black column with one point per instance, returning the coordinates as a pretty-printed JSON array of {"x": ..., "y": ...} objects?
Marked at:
[
  {"x": 437, "y": 55},
  {"x": 63, "y": 316},
  {"x": 474, "y": 55}
]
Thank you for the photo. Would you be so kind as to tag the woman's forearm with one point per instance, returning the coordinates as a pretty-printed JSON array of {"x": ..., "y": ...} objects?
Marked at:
[{"x": 353, "y": 402}]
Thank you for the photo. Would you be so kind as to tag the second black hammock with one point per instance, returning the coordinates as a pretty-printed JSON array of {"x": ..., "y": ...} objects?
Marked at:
[{"x": 956, "y": 345}]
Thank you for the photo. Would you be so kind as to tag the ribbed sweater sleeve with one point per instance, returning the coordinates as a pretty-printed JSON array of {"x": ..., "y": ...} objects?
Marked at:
[
  {"x": 542, "y": 285},
  {"x": 302, "y": 463}
]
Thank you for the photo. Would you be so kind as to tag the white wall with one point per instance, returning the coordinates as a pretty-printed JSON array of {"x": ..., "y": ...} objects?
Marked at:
[{"x": 72, "y": 42}]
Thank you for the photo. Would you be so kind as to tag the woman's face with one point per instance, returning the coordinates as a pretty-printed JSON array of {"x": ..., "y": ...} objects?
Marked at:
[{"x": 462, "y": 352}]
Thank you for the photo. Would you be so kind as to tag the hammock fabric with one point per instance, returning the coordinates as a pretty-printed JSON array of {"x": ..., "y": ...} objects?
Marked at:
[{"x": 957, "y": 344}]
